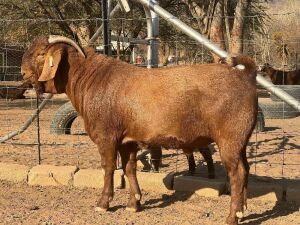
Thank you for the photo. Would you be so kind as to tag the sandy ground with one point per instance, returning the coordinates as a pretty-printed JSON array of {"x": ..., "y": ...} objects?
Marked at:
[{"x": 23, "y": 204}]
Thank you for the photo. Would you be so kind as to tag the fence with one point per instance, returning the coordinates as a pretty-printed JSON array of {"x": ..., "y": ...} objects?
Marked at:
[{"x": 272, "y": 152}]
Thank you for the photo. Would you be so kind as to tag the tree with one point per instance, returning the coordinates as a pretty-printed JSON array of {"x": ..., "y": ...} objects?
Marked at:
[
  {"x": 227, "y": 23},
  {"x": 222, "y": 21}
]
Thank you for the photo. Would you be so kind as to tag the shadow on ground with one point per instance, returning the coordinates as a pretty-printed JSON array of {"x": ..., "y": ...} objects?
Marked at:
[{"x": 280, "y": 209}]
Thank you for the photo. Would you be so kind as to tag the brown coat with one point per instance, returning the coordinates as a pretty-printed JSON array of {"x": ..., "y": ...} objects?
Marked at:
[
  {"x": 178, "y": 107},
  {"x": 280, "y": 77}
]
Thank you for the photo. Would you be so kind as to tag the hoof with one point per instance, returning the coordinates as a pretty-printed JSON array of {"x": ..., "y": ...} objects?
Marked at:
[
  {"x": 231, "y": 221},
  {"x": 99, "y": 209},
  {"x": 131, "y": 209}
]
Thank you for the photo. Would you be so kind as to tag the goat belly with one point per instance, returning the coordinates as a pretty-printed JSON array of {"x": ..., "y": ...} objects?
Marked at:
[
  {"x": 173, "y": 142},
  {"x": 166, "y": 142}
]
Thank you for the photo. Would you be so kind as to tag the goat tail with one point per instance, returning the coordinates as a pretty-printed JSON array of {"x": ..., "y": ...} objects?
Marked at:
[{"x": 247, "y": 62}]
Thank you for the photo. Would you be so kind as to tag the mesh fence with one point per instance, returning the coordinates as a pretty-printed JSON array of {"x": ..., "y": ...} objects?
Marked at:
[{"x": 273, "y": 150}]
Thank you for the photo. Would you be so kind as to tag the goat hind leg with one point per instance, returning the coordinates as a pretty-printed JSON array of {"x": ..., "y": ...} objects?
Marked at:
[
  {"x": 191, "y": 162},
  {"x": 247, "y": 168},
  {"x": 209, "y": 161},
  {"x": 237, "y": 172}
]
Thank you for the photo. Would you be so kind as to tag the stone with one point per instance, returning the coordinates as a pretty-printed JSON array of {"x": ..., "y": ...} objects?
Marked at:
[
  {"x": 13, "y": 172},
  {"x": 45, "y": 175}
]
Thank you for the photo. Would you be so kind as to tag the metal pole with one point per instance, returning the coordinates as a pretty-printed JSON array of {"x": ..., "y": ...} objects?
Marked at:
[
  {"x": 220, "y": 52},
  {"x": 154, "y": 41},
  {"x": 38, "y": 129},
  {"x": 108, "y": 25},
  {"x": 182, "y": 26},
  {"x": 105, "y": 28},
  {"x": 28, "y": 122},
  {"x": 116, "y": 9},
  {"x": 152, "y": 34}
]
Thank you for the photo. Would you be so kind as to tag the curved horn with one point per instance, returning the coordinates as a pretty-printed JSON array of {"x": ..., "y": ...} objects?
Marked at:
[{"x": 60, "y": 39}]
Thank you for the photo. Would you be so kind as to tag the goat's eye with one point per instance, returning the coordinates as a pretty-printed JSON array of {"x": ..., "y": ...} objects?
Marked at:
[{"x": 40, "y": 54}]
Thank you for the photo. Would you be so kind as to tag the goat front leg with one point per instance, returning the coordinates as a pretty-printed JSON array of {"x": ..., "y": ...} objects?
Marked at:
[
  {"x": 108, "y": 162},
  {"x": 128, "y": 156}
]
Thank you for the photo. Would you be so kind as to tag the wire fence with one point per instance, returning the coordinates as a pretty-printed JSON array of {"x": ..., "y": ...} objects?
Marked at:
[{"x": 273, "y": 149}]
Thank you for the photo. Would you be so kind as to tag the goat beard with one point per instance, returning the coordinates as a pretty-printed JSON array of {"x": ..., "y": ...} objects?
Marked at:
[{"x": 39, "y": 88}]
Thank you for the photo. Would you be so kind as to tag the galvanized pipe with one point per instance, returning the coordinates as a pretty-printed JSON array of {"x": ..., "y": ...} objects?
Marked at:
[
  {"x": 149, "y": 37},
  {"x": 182, "y": 26},
  {"x": 29, "y": 120},
  {"x": 152, "y": 33},
  {"x": 220, "y": 52},
  {"x": 278, "y": 92},
  {"x": 154, "y": 43}
]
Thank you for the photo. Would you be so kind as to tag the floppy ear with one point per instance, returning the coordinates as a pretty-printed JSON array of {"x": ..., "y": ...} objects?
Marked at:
[{"x": 50, "y": 65}]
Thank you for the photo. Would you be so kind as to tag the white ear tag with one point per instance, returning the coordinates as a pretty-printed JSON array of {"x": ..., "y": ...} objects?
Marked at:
[{"x": 51, "y": 61}]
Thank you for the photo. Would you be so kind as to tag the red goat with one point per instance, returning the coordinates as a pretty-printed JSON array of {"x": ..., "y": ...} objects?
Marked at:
[
  {"x": 184, "y": 107},
  {"x": 280, "y": 77}
]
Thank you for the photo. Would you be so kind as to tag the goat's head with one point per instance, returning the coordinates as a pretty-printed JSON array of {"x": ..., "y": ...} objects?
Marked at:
[
  {"x": 45, "y": 59},
  {"x": 266, "y": 68},
  {"x": 267, "y": 71}
]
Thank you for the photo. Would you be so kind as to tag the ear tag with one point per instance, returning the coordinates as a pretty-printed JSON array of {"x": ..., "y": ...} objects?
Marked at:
[{"x": 51, "y": 61}]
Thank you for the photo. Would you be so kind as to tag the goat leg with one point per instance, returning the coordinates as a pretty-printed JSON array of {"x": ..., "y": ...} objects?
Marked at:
[
  {"x": 128, "y": 157},
  {"x": 247, "y": 168},
  {"x": 210, "y": 163},
  {"x": 192, "y": 164},
  {"x": 156, "y": 155},
  {"x": 237, "y": 172},
  {"x": 108, "y": 162}
]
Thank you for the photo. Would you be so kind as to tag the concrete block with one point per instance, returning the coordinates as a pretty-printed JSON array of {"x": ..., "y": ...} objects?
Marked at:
[
  {"x": 94, "y": 178},
  {"x": 265, "y": 191},
  {"x": 293, "y": 194},
  {"x": 88, "y": 178},
  {"x": 45, "y": 175},
  {"x": 13, "y": 172},
  {"x": 158, "y": 182},
  {"x": 201, "y": 186},
  {"x": 147, "y": 181}
]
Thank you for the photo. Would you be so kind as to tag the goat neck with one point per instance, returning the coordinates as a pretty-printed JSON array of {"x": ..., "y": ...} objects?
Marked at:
[{"x": 83, "y": 75}]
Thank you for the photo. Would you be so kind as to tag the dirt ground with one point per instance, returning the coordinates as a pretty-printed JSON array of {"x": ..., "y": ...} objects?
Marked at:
[
  {"x": 272, "y": 154},
  {"x": 23, "y": 204}
]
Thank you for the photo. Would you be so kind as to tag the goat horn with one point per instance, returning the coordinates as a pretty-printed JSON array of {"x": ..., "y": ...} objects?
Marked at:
[{"x": 60, "y": 39}]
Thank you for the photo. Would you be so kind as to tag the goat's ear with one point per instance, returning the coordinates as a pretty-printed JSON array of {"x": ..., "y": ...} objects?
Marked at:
[{"x": 50, "y": 65}]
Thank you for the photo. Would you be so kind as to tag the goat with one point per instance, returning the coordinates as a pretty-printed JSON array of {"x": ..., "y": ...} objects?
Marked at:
[
  {"x": 156, "y": 155},
  {"x": 280, "y": 77},
  {"x": 14, "y": 92},
  {"x": 184, "y": 107}
]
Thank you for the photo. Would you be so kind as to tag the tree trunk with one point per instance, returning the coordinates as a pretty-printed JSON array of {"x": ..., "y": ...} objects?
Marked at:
[
  {"x": 216, "y": 31},
  {"x": 227, "y": 26},
  {"x": 238, "y": 27},
  {"x": 164, "y": 52},
  {"x": 199, "y": 13}
]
